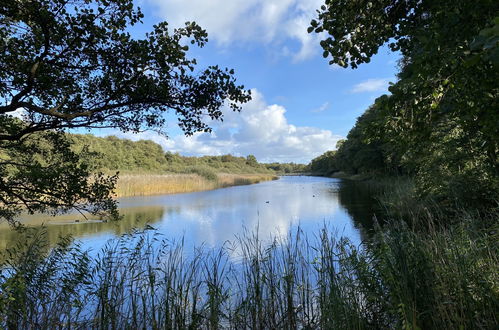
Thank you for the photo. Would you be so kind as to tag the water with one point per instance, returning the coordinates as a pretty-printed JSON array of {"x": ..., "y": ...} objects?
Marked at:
[{"x": 214, "y": 217}]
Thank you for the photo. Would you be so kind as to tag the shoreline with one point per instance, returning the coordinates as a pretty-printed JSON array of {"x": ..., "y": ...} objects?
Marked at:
[
  {"x": 132, "y": 185},
  {"x": 136, "y": 185},
  {"x": 345, "y": 176}
]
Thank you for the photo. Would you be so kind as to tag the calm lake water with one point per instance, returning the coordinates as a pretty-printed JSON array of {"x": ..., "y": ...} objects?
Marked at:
[{"x": 216, "y": 216}]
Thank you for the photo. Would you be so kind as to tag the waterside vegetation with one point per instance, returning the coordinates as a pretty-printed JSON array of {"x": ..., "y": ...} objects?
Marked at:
[
  {"x": 431, "y": 279},
  {"x": 438, "y": 125},
  {"x": 146, "y": 169},
  {"x": 154, "y": 184}
]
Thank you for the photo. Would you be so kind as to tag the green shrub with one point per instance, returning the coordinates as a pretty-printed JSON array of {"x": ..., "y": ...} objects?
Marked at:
[{"x": 204, "y": 171}]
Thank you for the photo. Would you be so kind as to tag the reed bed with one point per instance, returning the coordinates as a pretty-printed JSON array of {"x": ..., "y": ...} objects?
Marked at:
[
  {"x": 444, "y": 279},
  {"x": 156, "y": 184}
]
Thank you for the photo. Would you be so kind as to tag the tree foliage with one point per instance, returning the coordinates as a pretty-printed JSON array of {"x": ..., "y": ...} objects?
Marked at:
[
  {"x": 110, "y": 154},
  {"x": 440, "y": 121},
  {"x": 324, "y": 164},
  {"x": 73, "y": 64},
  {"x": 288, "y": 168},
  {"x": 44, "y": 174}
]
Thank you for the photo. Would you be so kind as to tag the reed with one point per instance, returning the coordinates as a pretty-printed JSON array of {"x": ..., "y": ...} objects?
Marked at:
[
  {"x": 155, "y": 184},
  {"x": 439, "y": 279}
]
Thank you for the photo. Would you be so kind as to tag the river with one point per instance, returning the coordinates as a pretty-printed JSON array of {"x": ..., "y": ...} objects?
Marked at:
[{"x": 214, "y": 217}]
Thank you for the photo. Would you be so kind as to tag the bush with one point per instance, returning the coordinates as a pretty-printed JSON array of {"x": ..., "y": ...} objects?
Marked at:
[{"x": 204, "y": 171}]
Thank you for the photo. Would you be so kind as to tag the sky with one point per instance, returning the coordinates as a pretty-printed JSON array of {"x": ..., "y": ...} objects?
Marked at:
[{"x": 301, "y": 105}]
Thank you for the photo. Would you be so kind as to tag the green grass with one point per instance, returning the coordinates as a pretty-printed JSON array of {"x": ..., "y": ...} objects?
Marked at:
[{"x": 443, "y": 278}]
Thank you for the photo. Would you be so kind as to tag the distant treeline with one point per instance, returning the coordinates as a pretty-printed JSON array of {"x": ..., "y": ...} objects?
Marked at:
[{"x": 112, "y": 153}]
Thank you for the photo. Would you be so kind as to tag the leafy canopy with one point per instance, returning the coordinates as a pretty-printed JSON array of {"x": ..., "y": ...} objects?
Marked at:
[
  {"x": 440, "y": 122},
  {"x": 73, "y": 64}
]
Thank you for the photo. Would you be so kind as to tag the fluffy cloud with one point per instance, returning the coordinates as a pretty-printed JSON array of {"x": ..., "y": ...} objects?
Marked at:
[
  {"x": 266, "y": 21},
  {"x": 371, "y": 85},
  {"x": 259, "y": 129},
  {"x": 322, "y": 108}
]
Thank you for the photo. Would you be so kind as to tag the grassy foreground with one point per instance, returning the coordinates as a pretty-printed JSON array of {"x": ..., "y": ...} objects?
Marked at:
[
  {"x": 154, "y": 184},
  {"x": 440, "y": 279},
  {"x": 411, "y": 273}
]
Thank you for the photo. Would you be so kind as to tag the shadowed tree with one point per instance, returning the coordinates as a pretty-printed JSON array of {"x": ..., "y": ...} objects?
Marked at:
[
  {"x": 441, "y": 117},
  {"x": 73, "y": 64}
]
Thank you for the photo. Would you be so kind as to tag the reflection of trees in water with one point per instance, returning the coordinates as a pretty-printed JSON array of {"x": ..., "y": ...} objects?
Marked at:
[
  {"x": 216, "y": 217},
  {"x": 358, "y": 200},
  {"x": 132, "y": 218}
]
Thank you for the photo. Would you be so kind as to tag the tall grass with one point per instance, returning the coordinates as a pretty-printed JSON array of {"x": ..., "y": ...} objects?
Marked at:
[
  {"x": 439, "y": 279},
  {"x": 200, "y": 179}
]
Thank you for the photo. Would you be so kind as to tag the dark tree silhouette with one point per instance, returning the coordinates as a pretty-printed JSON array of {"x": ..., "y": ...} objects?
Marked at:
[{"x": 73, "y": 64}]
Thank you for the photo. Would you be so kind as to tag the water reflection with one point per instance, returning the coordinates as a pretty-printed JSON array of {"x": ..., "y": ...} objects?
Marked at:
[
  {"x": 57, "y": 227},
  {"x": 213, "y": 217},
  {"x": 357, "y": 198}
]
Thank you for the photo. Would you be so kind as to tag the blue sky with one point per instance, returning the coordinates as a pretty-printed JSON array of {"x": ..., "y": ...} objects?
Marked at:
[{"x": 301, "y": 105}]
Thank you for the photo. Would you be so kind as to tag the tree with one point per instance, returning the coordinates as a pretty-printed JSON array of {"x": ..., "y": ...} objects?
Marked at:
[
  {"x": 442, "y": 115},
  {"x": 73, "y": 64},
  {"x": 251, "y": 160},
  {"x": 324, "y": 164}
]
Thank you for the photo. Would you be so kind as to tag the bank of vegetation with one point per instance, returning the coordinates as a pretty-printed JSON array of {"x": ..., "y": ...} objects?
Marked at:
[
  {"x": 146, "y": 169},
  {"x": 439, "y": 124},
  {"x": 430, "y": 151},
  {"x": 200, "y": 179}
]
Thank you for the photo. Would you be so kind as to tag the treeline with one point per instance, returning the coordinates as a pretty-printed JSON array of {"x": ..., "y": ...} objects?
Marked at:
[
  {"x": 440, "y": 125},
  {"x": 112, "y": 153},
  {"x": 368, "y": 150},
  {"x": 288, "y": 168}
]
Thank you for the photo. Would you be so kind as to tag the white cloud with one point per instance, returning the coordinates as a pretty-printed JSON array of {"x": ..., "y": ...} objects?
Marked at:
[
  {"x": 270, "y": 22},
  {"x": 259, "y": 129},
  {"x": 371, "y": 85},
  {"x": 322, "y": 108}
]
